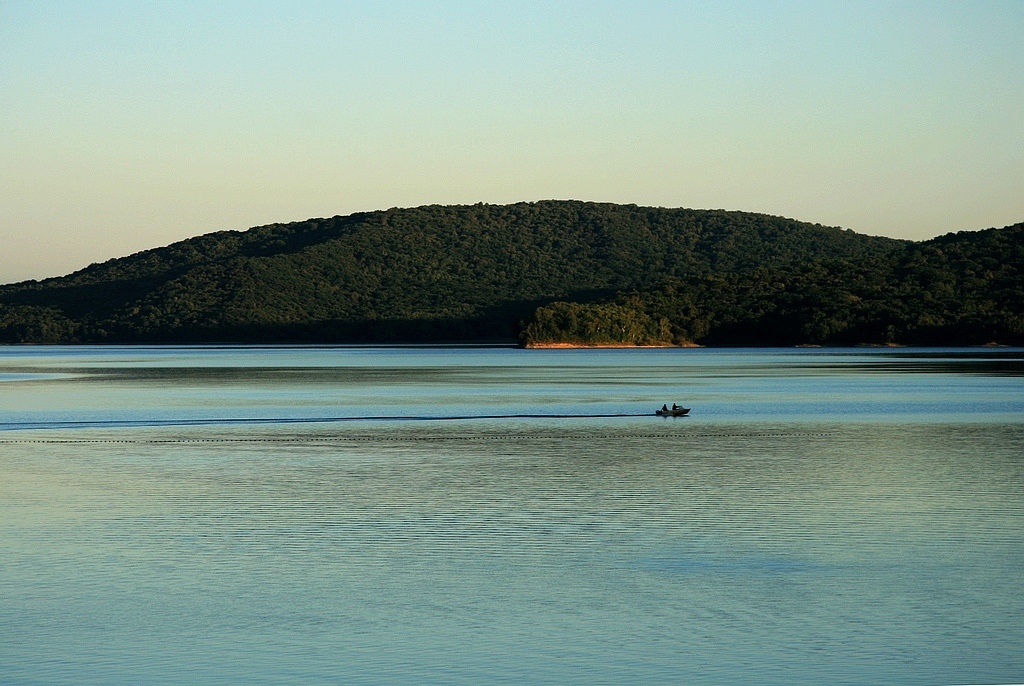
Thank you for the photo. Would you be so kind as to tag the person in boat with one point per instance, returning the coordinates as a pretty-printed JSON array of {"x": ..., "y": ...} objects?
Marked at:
[
  {"x": 664, "y": 408},
  {"x": 674, "y": 407}
]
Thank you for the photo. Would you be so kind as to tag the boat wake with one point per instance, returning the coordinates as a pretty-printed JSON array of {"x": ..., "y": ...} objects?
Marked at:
[{"x": 235, "y": 421}]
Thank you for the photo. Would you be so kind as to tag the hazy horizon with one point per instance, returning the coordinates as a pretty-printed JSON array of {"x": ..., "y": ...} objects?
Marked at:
[{"x": 125, "y": 127}]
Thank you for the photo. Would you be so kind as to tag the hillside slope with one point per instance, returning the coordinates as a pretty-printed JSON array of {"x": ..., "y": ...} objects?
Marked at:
[{"x": 469, "y": 273}]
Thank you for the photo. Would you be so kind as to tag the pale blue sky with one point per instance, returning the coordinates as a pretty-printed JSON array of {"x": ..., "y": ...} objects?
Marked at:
[{"x": 129, "y": 125}]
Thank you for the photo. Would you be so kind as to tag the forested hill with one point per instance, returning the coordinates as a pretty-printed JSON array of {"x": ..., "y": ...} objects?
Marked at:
[{"x": 552, "y": 271}]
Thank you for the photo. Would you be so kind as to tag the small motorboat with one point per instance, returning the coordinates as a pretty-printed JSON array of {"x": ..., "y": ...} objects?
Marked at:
[{"x": 673, "y": 412}]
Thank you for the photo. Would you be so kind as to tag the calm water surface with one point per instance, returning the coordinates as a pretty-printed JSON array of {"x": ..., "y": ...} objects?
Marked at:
[{"x": 482, "y": 515}]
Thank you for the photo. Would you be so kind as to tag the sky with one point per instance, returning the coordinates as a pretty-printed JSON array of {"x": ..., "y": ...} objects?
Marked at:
[{"x": 130, "y": 125}]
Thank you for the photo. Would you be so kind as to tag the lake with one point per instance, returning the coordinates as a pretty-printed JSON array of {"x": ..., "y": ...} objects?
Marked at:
[{"x": 365, "y": 515}]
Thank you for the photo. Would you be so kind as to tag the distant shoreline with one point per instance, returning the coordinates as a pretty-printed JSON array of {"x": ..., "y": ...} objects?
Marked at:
[
  {"x": 496, "y": 345},
  {"x": 606, "y": 345},
  {"x": 629, "y": 346}
]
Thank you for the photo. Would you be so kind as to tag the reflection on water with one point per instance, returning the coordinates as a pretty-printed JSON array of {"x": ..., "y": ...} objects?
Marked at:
[
  {"x": 139, "y": 385},
  {"x": 799, "y": 545}
]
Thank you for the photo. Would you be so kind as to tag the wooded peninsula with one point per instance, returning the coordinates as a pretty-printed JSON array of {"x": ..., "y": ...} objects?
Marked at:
[{"x": 539, "y": 273}]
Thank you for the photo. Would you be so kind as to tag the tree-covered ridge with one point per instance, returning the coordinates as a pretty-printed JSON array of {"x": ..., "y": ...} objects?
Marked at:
[
  {"x": 480, "y": 272},
  {"x": 965, "y": 288}
]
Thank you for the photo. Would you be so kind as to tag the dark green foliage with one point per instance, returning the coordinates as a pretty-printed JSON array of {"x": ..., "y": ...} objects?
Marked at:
[
  {"x": 620, "y": 273},
  {"x": 595, "y": 324},
  {"x": 30, "y": 324},
  {"x": 963, "y": 289}
]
